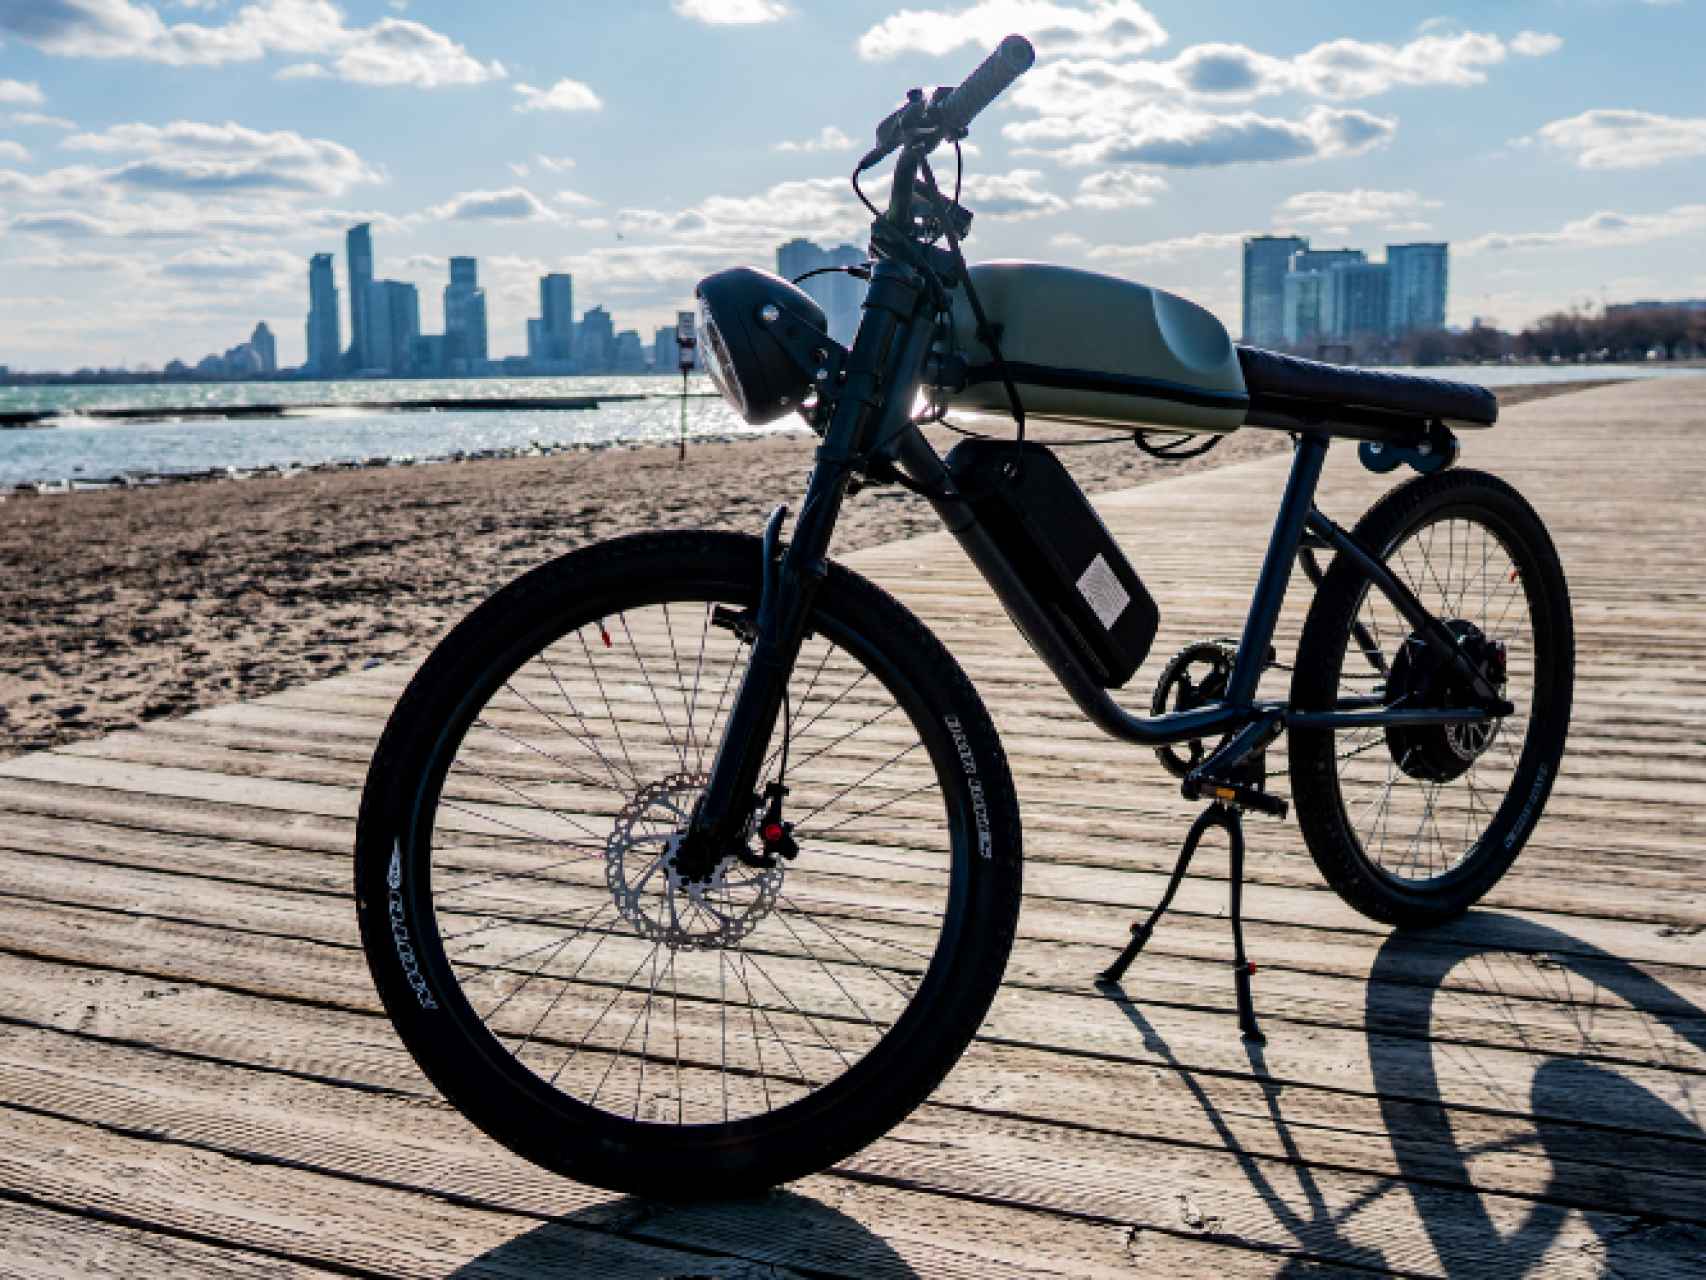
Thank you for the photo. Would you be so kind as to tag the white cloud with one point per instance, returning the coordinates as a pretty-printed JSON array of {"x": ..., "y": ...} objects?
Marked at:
[
  {"x": 213, "y": 159},
  {"x": 575, "y": 199},
  {"x": 554, "y": 164},
  {"x": 1617, "y": 139},
  {"x": 223, "y": 262},
  {"x": 302, "y": 71},
  {"x": 22, "y": 93},
  {"x": 44, "y": 121},
  {"x": 1348, "y": 208},
  {"x": 1101, "y": 28},
  {"x": 1016, "y": 196},
  {"x": 1119, "y": 189},
  {"x": 565, "y": 95},
  {"x": 1169, "y": 249},
  {"x": 1186, "y": 138},
  {"x": 828, "y": 138},
  {"x": 513, "y": 204},
  {"x": 731, "y": 12},
  {"x": 1338, "y": 70},
  {"x": 392, "y": 51},
  {"x": 821, "y": 209},
  {"x": 13, "y": 151},
  {"x": 1598, "y": 230},
  {"x": 1536, "y": 44}
]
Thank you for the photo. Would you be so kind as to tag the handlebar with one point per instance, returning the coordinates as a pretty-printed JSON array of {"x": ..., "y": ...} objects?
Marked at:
[
  {"x": 1011, "y": 59},
  {"x": 960, "y": 106}
]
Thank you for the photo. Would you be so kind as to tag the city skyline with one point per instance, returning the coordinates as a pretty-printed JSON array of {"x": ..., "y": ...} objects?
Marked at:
[{"x": 166, "y": 168}]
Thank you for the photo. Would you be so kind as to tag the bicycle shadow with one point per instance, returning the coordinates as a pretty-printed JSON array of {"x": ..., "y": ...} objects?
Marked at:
[
  {"x": 745, "y": 1239},
  {"x": 1613, "y": 1152},
  {"x": 1611, "y": 1146}
]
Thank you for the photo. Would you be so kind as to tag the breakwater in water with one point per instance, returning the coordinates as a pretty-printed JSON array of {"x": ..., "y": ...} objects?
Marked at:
[{"x": 151, "y": 413}]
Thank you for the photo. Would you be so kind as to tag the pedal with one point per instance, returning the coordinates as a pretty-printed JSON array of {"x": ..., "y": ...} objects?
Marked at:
[{"x": 1236, "y": 794}]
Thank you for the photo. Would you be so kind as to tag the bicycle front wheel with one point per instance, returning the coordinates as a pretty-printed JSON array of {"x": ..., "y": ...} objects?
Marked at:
[{"x": 652, "y": 1027}]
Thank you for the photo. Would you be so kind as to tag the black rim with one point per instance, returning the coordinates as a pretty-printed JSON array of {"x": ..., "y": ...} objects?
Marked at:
[
  {"x": 560, "y": 954},
  {"x": 1418, "y": 806}
]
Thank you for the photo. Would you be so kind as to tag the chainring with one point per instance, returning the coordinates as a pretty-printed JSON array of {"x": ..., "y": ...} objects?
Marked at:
[{"x": 1194, "y": 677}]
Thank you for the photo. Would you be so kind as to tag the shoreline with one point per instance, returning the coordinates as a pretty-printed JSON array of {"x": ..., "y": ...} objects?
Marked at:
[{"x": 144, "y": 603}]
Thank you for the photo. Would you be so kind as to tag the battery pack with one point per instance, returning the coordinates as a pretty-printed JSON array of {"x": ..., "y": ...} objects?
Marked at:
[{"x": 1059, "y": 548}]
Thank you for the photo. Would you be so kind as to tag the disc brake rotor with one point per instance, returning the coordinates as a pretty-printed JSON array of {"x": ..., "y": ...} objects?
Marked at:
[{"x": 705, "y": 913}]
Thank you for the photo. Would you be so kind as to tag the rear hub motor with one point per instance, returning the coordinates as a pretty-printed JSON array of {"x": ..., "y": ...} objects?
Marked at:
[{"x": 1421, "y": 680}]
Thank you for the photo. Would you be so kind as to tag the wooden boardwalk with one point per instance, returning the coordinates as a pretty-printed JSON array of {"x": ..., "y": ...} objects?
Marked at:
[{"x": 195, "y": 1079}]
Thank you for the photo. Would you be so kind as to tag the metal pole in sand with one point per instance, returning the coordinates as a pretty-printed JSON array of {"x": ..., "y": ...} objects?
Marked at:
[{"x": 685, "y": 346}]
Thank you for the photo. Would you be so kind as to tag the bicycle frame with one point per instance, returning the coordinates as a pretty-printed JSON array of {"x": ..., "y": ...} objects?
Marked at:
[{"x": 872, "y": 421}]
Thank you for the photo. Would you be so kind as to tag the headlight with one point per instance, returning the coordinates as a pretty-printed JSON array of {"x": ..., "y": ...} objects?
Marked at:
[
  {"x": 743, "y": 315},
  {"x": 717, "y": 362}
]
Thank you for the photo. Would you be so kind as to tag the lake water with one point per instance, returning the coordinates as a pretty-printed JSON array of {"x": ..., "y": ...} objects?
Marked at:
[{"x": 90, "y": 448}]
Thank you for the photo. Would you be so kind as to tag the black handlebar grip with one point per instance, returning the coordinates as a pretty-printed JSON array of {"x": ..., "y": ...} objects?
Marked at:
[{"x": 1011, "y": 59}]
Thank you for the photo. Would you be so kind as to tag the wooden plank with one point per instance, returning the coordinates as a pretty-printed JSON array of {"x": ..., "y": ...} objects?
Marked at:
[
  {"x": 47, "y": 1244},
  {"x": 1514, "y": 1093}
]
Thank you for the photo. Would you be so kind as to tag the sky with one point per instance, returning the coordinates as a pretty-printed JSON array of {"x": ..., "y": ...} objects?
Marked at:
[{"x": 167, "y": 168}]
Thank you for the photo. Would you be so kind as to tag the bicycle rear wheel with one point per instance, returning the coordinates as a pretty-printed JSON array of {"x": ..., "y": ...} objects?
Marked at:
[
  {"x": 634, "y": 1023},
  {"x": 1413, "y": 826}
]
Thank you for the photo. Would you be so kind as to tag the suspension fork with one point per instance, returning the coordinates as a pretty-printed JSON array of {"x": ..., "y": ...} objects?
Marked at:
[{"x": 874, "y": 402}]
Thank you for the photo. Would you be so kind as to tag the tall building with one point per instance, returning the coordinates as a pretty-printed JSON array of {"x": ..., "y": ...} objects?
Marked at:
[
  {"x": 1418, "y": 288},
  {"x": 557, "y": 317},
  {"x": 630, "y": 353},
  {"x": 1325, "y": 259},
  {"x": 1308, "y": 309},
  {"x": 1361, "y": 294},
  {"x": 665, "y": 354},
  {"x": 265, "y": 347},
  {"x": 325, "y": 343},
  {"x": 394, "y": 320},
  {"x": 464, "y": 318},
  {"x": 358, "y": 250},
  {"x": 1267, "y": 259},
  {"x": 596, "y": 342},
  {"x": 839, "y": 294}
]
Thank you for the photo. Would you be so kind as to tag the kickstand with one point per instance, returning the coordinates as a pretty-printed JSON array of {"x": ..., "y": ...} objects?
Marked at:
[{"x": 1229, "y": 818}]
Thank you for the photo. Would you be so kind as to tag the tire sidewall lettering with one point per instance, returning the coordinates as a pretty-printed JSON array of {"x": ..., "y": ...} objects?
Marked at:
[
  {"x": 974, "y": 784},
  {"x": 398, "y": 913}
]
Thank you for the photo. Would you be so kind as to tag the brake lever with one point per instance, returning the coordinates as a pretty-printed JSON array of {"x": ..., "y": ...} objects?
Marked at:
[{"x": 914, "y": 116}]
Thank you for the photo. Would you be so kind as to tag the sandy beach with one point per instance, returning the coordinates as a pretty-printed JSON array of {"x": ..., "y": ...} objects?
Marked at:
[{"x": 131, "y": 605}]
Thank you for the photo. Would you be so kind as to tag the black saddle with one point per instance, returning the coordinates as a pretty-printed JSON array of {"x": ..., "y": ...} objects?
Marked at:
[{"x": 1286, "y": 391}]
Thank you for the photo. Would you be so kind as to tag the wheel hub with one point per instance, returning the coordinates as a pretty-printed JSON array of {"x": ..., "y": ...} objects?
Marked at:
[
  {"x": 667, "y": 893},
  {"x": 1422, "y": 681}
]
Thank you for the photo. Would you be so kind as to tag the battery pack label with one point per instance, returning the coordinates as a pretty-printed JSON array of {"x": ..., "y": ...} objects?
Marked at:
[{"x": 1102, "y": 590}]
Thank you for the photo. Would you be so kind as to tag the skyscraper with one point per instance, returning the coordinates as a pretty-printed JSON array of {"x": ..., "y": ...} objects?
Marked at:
[
  {"x": 394, "y": 322},
  {"x": 1325, "y": 259},
  {"x": 265, "y": 347},
  {"x": 557, "y": 317},
  {"x": 325, "y": 343},
  {"x": 597, "y": 345},
  {"x": 358, "y": 249},
  {"x": 1418, "y": 287},
  {"x": 839, "y": 294},
  {"x": 1361, "y": 293},
  {"x": 630, "y": 353},
  {"x": 1266, "y": 261},
  {"x": 1308, "y": 306},
  {"x": 464, "y": 318}
]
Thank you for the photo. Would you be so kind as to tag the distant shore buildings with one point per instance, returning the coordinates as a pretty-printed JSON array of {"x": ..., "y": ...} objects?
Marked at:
[
  {"x": 256, "y": 358},
  {"x": 1295, "y": 295},
  {"x": 386, "y": 338}
]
